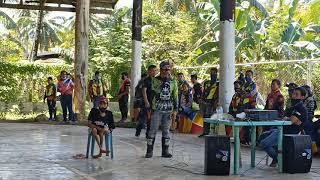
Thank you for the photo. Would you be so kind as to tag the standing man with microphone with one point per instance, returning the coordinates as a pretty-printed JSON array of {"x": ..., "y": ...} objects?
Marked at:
[{"x": 164, "y": 106}]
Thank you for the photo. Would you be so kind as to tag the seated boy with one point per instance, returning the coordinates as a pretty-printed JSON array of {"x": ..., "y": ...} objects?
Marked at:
[
  {"x": 101, "y": 122},
  {"x": 298, "y": 115}
]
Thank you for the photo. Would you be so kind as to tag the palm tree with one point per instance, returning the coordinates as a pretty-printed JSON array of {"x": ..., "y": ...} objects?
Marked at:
[
  {"x": 38, "y": 31},
  {"x": 23, "y": 27}
]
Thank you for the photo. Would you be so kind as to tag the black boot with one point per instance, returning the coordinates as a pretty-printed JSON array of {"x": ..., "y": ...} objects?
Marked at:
[
  {"x": 150, "y": 143},
  {"x": 165, "y": 148},
  {"x": 138, "y": 131}
]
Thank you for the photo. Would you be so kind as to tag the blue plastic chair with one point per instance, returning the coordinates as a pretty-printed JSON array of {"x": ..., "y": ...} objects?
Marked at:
[{"x": 92, "y": 140}]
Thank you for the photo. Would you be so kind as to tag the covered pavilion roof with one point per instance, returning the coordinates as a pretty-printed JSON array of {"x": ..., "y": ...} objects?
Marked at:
[{"x": 96, "y": 6}]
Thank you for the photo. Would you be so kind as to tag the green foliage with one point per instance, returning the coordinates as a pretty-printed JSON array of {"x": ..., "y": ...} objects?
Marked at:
[
  {"x": 111, "y": 50},
  {"x": 168, "y": 36},
  {"x": 10, "y": 51},
  {"x": 21, "y": 82}
]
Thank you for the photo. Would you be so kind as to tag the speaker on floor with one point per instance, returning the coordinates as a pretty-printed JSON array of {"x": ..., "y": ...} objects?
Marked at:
[
  {"x": 217, "y": 155},
  {"x": 297, "y": 155}
]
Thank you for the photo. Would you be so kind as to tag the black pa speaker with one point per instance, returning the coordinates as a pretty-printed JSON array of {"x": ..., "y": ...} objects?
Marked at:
[
  {"x": 217, "y": 155},
  {"x": 297, "y": 155}
]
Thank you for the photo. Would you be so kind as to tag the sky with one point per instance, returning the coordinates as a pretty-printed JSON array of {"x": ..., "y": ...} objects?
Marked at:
[
  {"x": 124, "y": 3},
  {"x": 120, "y": 4}
]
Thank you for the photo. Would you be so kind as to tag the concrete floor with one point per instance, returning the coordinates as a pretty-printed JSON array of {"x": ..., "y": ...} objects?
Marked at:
[{"x": 39, "y": 151}]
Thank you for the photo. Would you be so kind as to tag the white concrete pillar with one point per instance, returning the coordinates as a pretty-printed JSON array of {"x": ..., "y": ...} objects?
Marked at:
[
  {"x": 136, "y": 49},
  {"x": 227, "y": 53}
]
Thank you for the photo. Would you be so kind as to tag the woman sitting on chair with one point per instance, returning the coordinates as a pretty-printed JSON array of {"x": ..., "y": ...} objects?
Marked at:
[{"x": 101, "y": 122}]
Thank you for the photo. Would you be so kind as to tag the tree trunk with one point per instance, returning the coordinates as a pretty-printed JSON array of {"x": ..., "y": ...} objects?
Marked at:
[
  {"x": 38, "y": 31},
  {"x": 81, "y": 57}
]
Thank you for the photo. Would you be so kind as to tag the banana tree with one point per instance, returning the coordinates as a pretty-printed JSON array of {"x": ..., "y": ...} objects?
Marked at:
[
  {"x": 246, "y": 27},
  {"x": 174, "y": 5}
]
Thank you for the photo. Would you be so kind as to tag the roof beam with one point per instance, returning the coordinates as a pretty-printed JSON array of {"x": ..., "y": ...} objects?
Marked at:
[
  {"x": 51, "y": 8},
  {"x": 93, "y": 3}
]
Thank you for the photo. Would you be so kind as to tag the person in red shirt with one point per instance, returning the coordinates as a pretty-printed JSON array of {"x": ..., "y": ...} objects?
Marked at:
[
  {"x": 123, "y": 96},
  {"x": 275, "y": 99},
  {"x": 65, "y": 87}
]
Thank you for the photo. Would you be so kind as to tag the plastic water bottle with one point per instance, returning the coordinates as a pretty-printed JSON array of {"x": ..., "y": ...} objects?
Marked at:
[{"x": 219, "y": 112}]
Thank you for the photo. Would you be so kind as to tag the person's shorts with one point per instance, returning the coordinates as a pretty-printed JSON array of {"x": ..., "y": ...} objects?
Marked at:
[{"x": 137, "y": 104}]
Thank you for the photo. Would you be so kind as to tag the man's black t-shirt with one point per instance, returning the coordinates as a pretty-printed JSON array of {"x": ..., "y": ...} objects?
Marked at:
[
  {"x": 197, "y": 87},
  {"x": 301, "y": 112},
  {"x": 98, "y": 120},
  {"x": 147, "y": 83},
  {"x": 138, "y": 99}
]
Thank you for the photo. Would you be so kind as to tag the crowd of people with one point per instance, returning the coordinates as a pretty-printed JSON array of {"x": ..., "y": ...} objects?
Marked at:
[{"x": 161, "y": 97}]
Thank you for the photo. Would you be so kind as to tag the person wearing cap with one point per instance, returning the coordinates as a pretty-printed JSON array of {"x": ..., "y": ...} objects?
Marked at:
[
  {"x": 210, "y": 99},
  {"x": 101, "y": 122},
  {"x": 164, "y": 107},
  {"x": 298, "y": 115},
  {"x": 97, "y": 89},
  {"x": 291, "y": 87}
]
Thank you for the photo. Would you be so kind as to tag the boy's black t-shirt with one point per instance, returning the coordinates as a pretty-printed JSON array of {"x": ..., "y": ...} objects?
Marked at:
[
  {"x": 98, "y": 120},
  {"x": 147, "y": 83},
  {"x": 301, "y": 112},
  {"x": 197, "y": 92}
]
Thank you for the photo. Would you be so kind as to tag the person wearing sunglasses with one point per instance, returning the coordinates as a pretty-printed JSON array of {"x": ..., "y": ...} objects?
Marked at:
[{"x": 164, "y": 106}]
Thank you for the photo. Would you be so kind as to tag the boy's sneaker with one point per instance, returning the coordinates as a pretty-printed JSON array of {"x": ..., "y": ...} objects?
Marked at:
[
  {"x": 74, "y": 122},
  {"x": 137, "y": 134},
  {"x": 273, "y": 163}
]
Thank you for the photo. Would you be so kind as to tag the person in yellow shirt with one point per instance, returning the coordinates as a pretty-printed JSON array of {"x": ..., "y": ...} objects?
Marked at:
[
  {"x": 51, "y": 96},
  {"x": 97, "y": 89},
  {"x": 210, "y": 99}
]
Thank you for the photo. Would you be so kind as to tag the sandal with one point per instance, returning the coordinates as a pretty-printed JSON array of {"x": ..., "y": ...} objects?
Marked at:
[
  {"x": 105, "y": 151},
  {"x": 97, "y": 156}
]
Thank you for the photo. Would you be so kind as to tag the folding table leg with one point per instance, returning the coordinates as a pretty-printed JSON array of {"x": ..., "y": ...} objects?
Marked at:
[
  {"x": 280, "y": 128},
  {"x": 253, "y": 146},
  {"x": 236, "y": 149}
]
